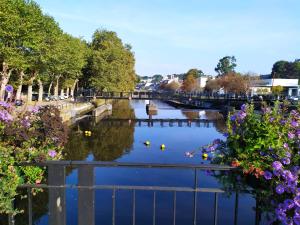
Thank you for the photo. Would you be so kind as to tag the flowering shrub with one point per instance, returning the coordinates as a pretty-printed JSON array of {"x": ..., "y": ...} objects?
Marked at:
[
  {"x": 266, "y": 145},
  {"x": 36, "y": 134}
]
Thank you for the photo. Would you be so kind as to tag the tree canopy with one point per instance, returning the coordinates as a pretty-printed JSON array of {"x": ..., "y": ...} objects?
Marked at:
[
  {"x": 285, "y": 69},
  {"x": 33, "y": 48},
  {"x": 226, "y": 65},
  {"x": 194, "y": 72},
  {"x": 111, "y": 63}
]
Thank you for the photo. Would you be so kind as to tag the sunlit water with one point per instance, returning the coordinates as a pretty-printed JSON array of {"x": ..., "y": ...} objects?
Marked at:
[{"x": 125, "y": 143}]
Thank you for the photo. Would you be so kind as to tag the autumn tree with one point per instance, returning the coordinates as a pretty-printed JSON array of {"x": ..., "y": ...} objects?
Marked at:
[
  {"x": 234, "y": 83},
  {"x": 190, "y": 83},
  {"x": 194, "y": 72},
  {"x": 212, "y": 85}
]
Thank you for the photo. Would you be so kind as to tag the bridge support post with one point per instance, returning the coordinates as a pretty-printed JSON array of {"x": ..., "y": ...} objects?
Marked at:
[
  {"x": 57, "y": 196},
  {"x": 86, "y": 196}
]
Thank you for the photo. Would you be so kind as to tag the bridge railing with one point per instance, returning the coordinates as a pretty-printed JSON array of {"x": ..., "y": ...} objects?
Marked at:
[{"x": 86, "y": 190}]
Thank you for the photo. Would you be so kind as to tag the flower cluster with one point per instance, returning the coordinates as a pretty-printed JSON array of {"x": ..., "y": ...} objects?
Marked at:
[
  {"x": 35, "y": 134},
  {"x": 266, "y": 145}
]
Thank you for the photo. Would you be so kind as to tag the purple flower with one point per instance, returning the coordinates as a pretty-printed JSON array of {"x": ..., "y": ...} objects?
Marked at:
[
  {"x": 296, "y": 219},
  {"x": 25, "y": 123},
  {"x": 282, "y": 122},
  {"x": 294, "y": 123},
  {"x": 4, "y": 104},
  {"x": 34, "y": 109},
  {"x": 285, "y": 145},
  {"x": 297, "y": 211},
  {"x": 286, "y": 161},
  {"x": 271, "y": 119},
  {"x": 277, "y": 165},
  {"x": 244, "y": 107},
  {"x": 291, "y": 135},
  {"x": 52, "y": 153},
  {"x": 242, "y": 115},
  {"x": 288, "y": 204},
  {"x": 268, "y": 175},
  {"x": 226, "y": 135},
  {"x": 297, "y": 200},
  {"x": 233, "y": 117},
  {"x": 280, "y": 189},
  {"x": 5, "y": 116}
]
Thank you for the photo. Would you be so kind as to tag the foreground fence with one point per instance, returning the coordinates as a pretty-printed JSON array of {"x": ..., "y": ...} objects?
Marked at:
[{"x": 86, "y": 190}]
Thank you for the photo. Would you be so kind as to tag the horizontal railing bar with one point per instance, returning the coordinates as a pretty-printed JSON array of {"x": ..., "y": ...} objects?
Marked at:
[
  {"x": 124, "y": 187},
  {"x": 127, "y": 164},
  {"x": 159, "y": 120}
]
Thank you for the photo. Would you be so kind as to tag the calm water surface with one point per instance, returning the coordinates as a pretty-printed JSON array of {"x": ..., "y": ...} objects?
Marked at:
[{"x": 124, "y": 142}]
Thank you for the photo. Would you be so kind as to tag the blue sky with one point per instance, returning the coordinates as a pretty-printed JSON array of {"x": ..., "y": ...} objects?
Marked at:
[{"x": 172, "y": 36}]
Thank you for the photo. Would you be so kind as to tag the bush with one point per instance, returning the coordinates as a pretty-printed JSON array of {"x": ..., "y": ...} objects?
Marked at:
[
  {"x": 36, "y": 134},
  {"x": 266, "y": 145}
]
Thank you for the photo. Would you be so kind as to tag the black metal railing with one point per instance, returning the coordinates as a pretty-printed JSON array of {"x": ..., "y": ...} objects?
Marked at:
[{"x": 86, "y": 190}]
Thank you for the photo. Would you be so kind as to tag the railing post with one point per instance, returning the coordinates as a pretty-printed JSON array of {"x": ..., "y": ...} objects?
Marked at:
[
  {"x": 57, "y": 196},
  {"x": 86, "y": 196}
]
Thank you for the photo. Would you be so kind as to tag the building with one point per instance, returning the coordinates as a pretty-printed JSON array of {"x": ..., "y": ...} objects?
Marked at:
[
  {"x": 203, "y": 80},
  {"x": 266, "y": 82}
]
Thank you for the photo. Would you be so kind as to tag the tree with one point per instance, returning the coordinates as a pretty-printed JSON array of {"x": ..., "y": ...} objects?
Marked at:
[
  {"x": 173, "y": 86},
  {"x": 234, "y": 83},
  {"x": 157, "y": 78},
  {"x": 212, "y": 85},
  {"x": 190, "y": 83},
  {"x": 226, "y": 65},
  {"x": 11, "y": 39},
  {"x": 195, "y": 72},
  {"x": 277, "y": 90},
  {"x": 112, "y": 63},
  {"x": 285, "y": 69}
]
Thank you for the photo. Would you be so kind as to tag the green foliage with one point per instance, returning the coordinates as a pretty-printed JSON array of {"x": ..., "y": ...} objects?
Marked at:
[
  {"x": 226, "y": 65},
  {"x": 285, "y": 69},
  {"x": 194, "y": 72},
  {"x": 157, "y": 78},
  {"x": 266, "y": 146},
  {"x": 277, "y": 89},
  {"x": 111, "y": 63}
]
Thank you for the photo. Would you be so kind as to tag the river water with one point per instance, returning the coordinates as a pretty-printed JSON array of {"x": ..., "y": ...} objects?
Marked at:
[{"x": 111, "y": 140}]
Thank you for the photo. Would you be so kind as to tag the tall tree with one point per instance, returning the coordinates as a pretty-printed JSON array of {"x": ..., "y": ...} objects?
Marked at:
[
  {"x": 11, "y": 39},
  {"x": 190, "y": 83},
  {"x": 195, "y": 73},
  {"x": 112, "y": 63},
  {"x": 226, "y": 65},
  {"x": 285, "y": 69}
]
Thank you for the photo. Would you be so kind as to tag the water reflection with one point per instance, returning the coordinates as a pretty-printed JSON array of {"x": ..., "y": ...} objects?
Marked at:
[
  {"x": 112, "y": 140},
  {"x": 107, "y": 142}
]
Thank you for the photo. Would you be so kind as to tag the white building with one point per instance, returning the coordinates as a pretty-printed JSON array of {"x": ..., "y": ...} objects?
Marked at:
[
  {"x": 203, "y": 80},
  {"x": 264, "y": 86}
]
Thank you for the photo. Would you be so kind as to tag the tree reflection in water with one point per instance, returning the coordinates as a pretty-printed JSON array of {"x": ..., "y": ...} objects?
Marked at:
[{"x": 108, "y": 142}]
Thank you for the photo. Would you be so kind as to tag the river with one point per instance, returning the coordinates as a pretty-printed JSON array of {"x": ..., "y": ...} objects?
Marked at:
[{"x": 124, "y": 142}]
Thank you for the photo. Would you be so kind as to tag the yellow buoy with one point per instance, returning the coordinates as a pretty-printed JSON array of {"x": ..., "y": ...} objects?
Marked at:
[
  {"x": 147, "y": 143},
  {"x": 204, "y": 156},
  {"x": 88, "y": 133},
  {"x": 162, "y": 146}
]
